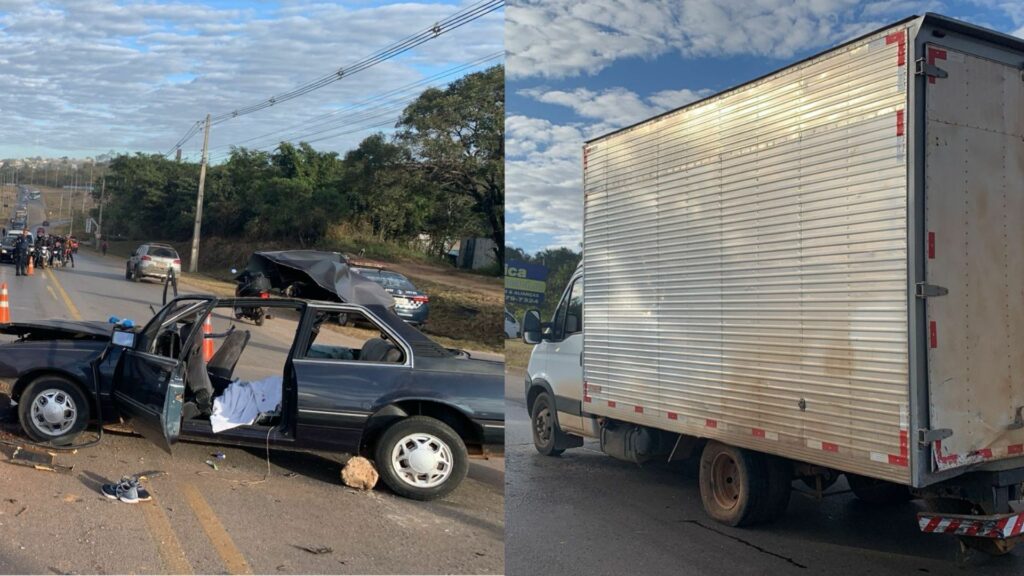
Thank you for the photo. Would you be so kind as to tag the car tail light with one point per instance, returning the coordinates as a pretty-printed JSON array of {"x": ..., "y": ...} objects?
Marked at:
[
  {"x": 420, "y": 299},
  {"x": 146, "y": 258},
  {"x": 177, "y": 261},
  {"x": 265, "y": 295}
]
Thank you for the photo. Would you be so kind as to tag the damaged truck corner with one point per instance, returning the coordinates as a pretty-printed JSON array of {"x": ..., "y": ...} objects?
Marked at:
[{"x": 811, "y": 275}]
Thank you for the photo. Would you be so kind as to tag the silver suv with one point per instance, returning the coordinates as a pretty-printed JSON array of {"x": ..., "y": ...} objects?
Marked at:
[{"x": 152, "y": 260}]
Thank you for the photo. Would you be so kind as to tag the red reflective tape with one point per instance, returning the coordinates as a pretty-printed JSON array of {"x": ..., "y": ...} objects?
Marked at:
[
  {"x": 638, "y": 409},
  {"x": 936, "y": 54},
  {"x": 933, "y": 335},
  {"x": 931, "y": 245},
  {"x": 953, "y": 525},
  {"x": 586, "y": 398},
  {"x": 973, "y": 528},
  {"x": 611, "y": 403},
  {"x": 1015, "y": 449},
  {"x": 1017, "y": 525},
  {"x": 900, "y": 39},
  {"x": 898, "y": 460},
  {"x": 984, "y": 453},
  {"x": 899, "y": 123},
  {"x": 932, "y": 524},
  {"x": 757, "y": 432},
  {"x": 711, "y": 423},
  {"x": 673, "y": 416},
  {"x": 829, "y": 447},
  {"x": 1002, "y": 523},
  {"x": 904, "y": 442}
]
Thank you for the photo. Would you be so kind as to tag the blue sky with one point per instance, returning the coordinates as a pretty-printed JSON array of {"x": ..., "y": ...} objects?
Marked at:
[
  {"x": 576, "y": 71},
  {"x": 83, "y": 77}
]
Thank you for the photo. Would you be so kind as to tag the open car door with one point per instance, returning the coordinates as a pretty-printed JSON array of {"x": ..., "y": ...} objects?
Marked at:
[{"x": 149, "y": 385}]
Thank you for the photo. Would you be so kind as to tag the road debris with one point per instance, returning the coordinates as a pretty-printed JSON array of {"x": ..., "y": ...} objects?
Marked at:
[
  {"x": 315, "y": 549},
  {"x": 359, "y": 473},
  {"x": 212, "y": 464},
  {"x": 22, "y": 511}
]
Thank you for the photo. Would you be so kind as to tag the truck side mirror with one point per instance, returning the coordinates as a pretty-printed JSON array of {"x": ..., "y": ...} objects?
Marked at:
[{"x": 532, "y": 327}]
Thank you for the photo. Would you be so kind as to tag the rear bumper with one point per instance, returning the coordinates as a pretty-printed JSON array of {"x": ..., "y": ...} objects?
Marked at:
[{"x": 1001, "y": 526}]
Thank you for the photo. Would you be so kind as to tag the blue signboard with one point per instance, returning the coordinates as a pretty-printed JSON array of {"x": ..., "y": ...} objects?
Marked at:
[{"x": 525, "y": 283}]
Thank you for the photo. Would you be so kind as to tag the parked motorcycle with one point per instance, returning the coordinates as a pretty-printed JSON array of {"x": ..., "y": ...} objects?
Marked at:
[{"x": 248, "y": 284}]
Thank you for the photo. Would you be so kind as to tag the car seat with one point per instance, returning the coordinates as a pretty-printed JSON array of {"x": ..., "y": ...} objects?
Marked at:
[
  {"x": 197, "y": 381},
  {"x": 224, "y": 360},
  {"x": 380, "y": 350}
]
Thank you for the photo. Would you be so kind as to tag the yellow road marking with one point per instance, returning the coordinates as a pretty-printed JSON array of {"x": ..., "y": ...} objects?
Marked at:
[
  {"x": 64, "y": 295},
  {"x": 233, "y": 559},
  {"x": 159, "y": 525},
  {"x": 167, "y": 544}
]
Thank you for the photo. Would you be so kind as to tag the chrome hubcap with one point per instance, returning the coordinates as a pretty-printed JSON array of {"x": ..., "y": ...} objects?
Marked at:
[
  {"x": 54, "y": 412},
  {"x": 422, "y": 460}
]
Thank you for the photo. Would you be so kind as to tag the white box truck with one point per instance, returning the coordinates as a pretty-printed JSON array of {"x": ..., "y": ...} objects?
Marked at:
[{"x": 814, "y": 274}]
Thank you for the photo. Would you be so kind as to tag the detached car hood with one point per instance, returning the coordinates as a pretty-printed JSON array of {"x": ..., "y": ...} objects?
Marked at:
[{"x": 59, "y": 330}]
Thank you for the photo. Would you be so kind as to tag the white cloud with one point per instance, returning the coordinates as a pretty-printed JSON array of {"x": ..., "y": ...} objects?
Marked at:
[
  {"x": 543, "y": 166},
  {"x": 89, "y": 76}
]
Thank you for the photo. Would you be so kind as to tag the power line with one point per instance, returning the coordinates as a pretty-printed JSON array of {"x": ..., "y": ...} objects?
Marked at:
[
  {"x": 457, "y": 20},
  {"x": 376, "y": 102}
]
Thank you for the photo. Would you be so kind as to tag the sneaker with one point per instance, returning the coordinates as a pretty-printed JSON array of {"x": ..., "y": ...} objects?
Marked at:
[{"x": 128, "y": 490}]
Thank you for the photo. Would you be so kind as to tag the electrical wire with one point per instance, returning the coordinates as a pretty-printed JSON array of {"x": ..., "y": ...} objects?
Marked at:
[{"x": 453, "y": 22}]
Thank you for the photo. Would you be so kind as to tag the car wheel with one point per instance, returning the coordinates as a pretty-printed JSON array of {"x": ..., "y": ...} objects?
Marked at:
[
  {"x": 737, "y": 486},
  {"x": 544, "y": 424},
  {"x": 53, "y": 409},
  {"x": 127, "y": 272},
  {"x": 258, "y": 316},
  {"x": 421, "y": 458},
  {"x": 136, "y": 275}
]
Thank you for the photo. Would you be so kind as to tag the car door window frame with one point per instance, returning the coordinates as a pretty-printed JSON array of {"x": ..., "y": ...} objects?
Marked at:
[
  {"x": 408, "y": 359},
  {"x": 558, "y": 327},
  {"x": 150, "y": 342}
]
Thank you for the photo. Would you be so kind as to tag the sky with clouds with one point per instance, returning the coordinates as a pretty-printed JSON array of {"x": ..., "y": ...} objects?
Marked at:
[
  {"x": 578, "y": 70},
  {"x": 80, "y": 78}
]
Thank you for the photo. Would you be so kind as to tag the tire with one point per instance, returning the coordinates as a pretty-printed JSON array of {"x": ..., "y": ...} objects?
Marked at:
[
  {"x": 878, "y": 492},
  {"x": 136, "y": 275},
  {"x": 544, "y": 425},
  {"x": 258, "y": 316},
  {"x": 127, "y": 272},
  {"x": 53, "y": 391},
  {"x": 426, "y": 434},
  {"x": 736, "y": 485}
]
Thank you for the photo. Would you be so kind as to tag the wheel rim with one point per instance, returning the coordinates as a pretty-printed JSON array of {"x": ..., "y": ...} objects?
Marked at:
[
  {"x": 542, "y": 425},
  {"x": 725, "y": 485},
  {"x": 54, "y": 412},
  {"x": 422, "y": 460}
]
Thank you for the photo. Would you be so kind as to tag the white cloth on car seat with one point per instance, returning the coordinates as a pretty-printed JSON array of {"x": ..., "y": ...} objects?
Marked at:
[{"x": 242, "y": 402}]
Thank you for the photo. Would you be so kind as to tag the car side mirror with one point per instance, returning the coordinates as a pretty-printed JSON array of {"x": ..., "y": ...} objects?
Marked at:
[
  {"x": 532, "y": 327},
  {"x": 123, "y": 339}
]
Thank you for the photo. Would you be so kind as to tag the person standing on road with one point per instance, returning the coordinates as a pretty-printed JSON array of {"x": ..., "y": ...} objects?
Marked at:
[{"x": 21, "y": 255}]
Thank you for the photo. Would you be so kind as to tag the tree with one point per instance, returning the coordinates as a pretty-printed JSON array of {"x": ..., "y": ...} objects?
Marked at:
[{"x": 458, "y": 135}]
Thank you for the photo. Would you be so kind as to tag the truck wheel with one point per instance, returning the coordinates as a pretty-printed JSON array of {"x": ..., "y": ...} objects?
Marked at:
[
  {"x": 878, "y": 492},
  {"x": 735, "y": 485},
  {"x": 544, "y": 423},
  {"x": 780, "y": 487},
  {"x": 421, "y": 458},
  {"x": 53, "y": 409}
]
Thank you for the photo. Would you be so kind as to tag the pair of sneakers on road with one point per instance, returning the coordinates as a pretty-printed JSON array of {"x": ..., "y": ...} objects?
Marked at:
[{"x": 128, "y": 490}]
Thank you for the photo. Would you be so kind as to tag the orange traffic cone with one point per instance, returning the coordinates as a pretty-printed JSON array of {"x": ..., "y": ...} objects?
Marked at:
[
  {"x": 207, "y": 341},
  {"x": 5, "y": 307},
  {"x": 31, "y": 269}
]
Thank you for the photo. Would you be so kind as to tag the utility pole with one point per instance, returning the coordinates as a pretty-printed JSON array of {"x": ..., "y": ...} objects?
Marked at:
[
  {"x": 193, "y": 264},
  {"x": 99, "y": 225}
]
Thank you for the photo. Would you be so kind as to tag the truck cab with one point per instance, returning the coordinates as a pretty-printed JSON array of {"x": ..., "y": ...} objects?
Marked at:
[{"x": 554, "y": 376}]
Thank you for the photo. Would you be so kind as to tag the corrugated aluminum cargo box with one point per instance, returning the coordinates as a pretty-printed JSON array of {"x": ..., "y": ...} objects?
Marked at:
[{"x": 751, "y": 260}]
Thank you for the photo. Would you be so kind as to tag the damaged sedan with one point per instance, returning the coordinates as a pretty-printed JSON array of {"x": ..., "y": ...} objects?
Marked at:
[{"x": 417, "y": 409}]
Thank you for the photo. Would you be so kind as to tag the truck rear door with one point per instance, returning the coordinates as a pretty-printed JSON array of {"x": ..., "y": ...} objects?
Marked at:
[{"x": 974, "y": 206}]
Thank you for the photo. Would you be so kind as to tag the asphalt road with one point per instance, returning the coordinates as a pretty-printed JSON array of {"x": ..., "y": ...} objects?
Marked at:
[
  {"x": 586, "y": 513},
  {"x": 240, "y": 518}
]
